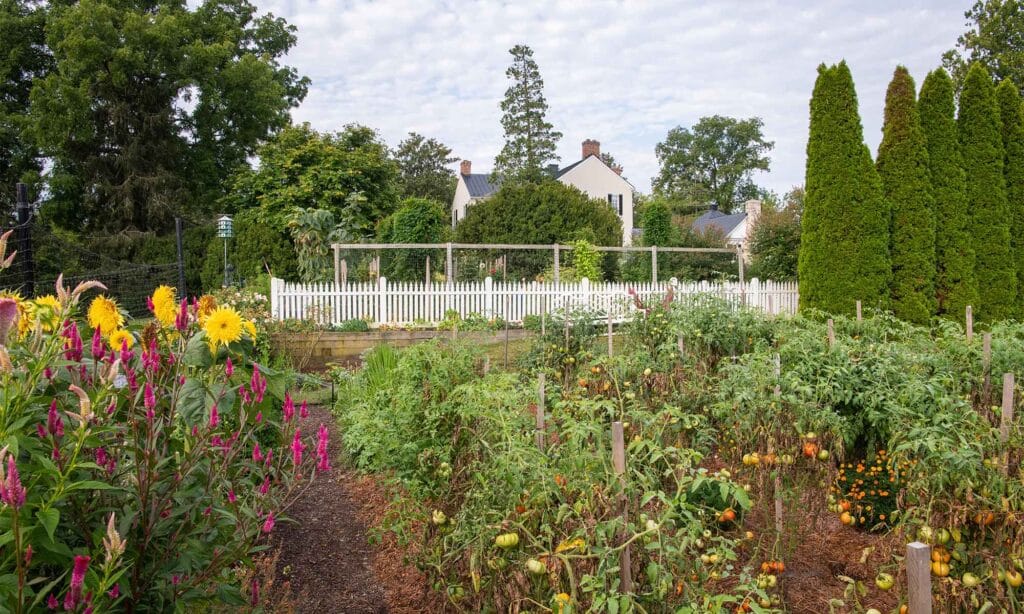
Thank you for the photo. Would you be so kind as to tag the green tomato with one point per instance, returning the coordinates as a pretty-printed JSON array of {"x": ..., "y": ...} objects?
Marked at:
[{"x": 884, "y": 581}]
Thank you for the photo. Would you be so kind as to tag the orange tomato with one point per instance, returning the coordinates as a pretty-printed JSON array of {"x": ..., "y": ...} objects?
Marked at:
[
  {"x": 810, "y": 449},
  {"x": 727, "y": 516}
]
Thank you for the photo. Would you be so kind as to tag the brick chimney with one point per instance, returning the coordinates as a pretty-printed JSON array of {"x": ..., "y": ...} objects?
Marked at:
[
  {"x": 591, "y": 148},
  {"x": 466, "y": 167}
]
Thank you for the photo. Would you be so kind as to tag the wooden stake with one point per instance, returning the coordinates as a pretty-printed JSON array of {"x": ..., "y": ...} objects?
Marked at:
[
  {"x": 860, "y": 314},
  {"x": 986, "y": 367},
  {"x": 506, "y": 331},
  {"x": 969, "y": 316},
  {"x": 681, "y": 345},
  {"x": 344, "y": 271},
  {"x": 611, "y": 345},
  {"x": 831, "y": 333},
  {"x": 428, "y": 271},
  {"x": 487, "y": 365},
  {"x": 919, "y": 578},
  {"x": 619, "y": 463},
  {"x": 539, "y": 435},
  {"x": 337, "y": 267},
  {"x": 1006, "y": 419},
  {"x": 778, "y": 477}
]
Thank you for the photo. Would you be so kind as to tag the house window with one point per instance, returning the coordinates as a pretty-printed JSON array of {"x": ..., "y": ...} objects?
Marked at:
[{"x": 615, "y": 202}]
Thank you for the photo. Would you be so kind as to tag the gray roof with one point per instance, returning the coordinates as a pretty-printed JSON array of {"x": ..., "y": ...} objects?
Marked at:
[
  {"x": 479, "y": 185},
  {"x": 714, "y": 218},
  {"x": 570, "y": 167}
]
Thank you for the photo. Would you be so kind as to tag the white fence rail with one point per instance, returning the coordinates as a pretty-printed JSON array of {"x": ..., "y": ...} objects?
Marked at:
[{"x": 402, "y": 303}]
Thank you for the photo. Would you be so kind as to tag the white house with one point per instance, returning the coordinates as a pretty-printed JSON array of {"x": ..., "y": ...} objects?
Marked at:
[
  {"x": 737, "y": 228},
  {"x": 589, "y": 174}
]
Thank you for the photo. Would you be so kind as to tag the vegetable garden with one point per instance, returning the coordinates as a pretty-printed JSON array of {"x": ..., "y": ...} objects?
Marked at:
[{"x": 766, "y": 464}]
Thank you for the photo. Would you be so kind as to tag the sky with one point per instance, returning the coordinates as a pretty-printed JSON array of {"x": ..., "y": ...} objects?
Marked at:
[{"x": 621, "y": 72}]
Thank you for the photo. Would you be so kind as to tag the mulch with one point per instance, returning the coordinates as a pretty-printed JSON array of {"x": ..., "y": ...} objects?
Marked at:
[{"x": 324, "y": 554}]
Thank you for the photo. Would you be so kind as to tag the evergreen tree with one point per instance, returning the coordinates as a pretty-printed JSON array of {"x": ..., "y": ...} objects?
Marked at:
[
  {"x": 530, "y": 140},
  {"x": 982, "y": 148},
  {"x": 955, "y": 284},
  {"x": 844, "y": 241},
  {"x": 903, "y": 168},
  {"x": 1012, "y": 114}
]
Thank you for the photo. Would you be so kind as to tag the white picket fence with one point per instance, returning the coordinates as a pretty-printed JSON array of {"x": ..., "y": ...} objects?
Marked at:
[{"x": 403, "y": 303}]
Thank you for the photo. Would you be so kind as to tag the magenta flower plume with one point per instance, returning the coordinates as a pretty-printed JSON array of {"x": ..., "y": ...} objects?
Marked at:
[
  {"x": 149, "y": 400},
  {"x": 181, "y": 321},
  {"x": 151, "y": 358},
  {"x": 8, "y": 317},
  {"x": 72, "y": 342},
  {"x": 52, "y": 603},
  {"x": 149, "y": 305},
  {"x": 304, "y": 410},
  {"x": 297, "y": 448},
  {"x": 257, "y": 456},
  {"x": 259, "y": 417},
  {"x": 257, "y": 384},
  {"x": 231, "y": 496},
  {"x": 74, "y": 595},
  {"x": 214, "y": 417},
  {"x": 99, "y": 349},
  {"x": 246, "y": 399},
  {"x": 11, "y": 491},
  {"x": 126, "y": 354},
  {"x": 268, "y": 524},
  {"x": 323, "y": 459},
  {"x": 229, "y": 368},
  {"x": 289, "y": 408},
  {"x": 270, "y": 455},
  {"x": 254, "y": 597},
  {"x": 54, "y": 423},
  {"x": 265, "y": 486}
]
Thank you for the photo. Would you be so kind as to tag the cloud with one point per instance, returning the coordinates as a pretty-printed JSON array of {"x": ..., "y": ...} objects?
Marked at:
[{"x": 622, "y": 72}]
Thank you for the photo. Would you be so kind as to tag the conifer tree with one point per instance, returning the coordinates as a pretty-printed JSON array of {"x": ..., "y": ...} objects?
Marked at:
[
  {"x": 1012, "y": 114},
  {"x": 955, "y": 285},
  {"x": 844, "y": 241},
  {"x": 903, "y": 168},
  {"x": 982, "y": 147},
  {"x": 530, "y": 140}
]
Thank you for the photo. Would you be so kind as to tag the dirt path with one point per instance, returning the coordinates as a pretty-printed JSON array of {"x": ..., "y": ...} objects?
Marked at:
[{"x": 326, "y": 557}]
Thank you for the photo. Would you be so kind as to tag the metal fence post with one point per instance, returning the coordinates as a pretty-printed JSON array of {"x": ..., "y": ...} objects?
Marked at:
[{"x": 179, "y": 232}]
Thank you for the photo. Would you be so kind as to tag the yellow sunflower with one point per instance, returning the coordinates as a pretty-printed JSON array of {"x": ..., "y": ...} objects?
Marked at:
[
  {"x": 223, "y": 326},
  {"x": 165, "y": 305},
  {"x": 47, "y": 309},
  {"x": 104, "y": 315},
  {"x": 250, "y": 328},
  {"x": 207, "y": 304},
  {"x": 120, "y": 337}
]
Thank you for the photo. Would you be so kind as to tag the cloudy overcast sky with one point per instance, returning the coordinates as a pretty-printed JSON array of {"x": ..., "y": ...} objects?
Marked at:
[{"x": 621, "y": 72}]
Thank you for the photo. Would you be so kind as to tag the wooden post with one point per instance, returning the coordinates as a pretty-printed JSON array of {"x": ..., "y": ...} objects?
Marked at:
[
  {"x": 739, "y": 258},
  {"x": 969, "y": 317},
  {"x": 428, "y": 271},
  {"x": 449, "y": 265},
  {"x": 619, "y": 463},
  {"x": 681, "y": 346},
  {"x": 778, "y": 477},
  {"x": 986, "y": 367},
  {"x": 860, "y": 314},
  {"x": 611, "y": 344},
  {"x": 654, "y": 264},
  {"x": 1006, "y": 419},
  {"x": 337, "y": 266},
  {"x": 344, "y": 272},
  {"x": 831, "y": 333},
  {"x": 556, "y": 263},
  {"x": 539, "y": 435},
  {"x": 919, "y": 578},
  {"x": 505, "y": 317}
]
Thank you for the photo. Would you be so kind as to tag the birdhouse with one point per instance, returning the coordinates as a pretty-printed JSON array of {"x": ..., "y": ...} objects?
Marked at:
[{"x": 224, "y": 227}]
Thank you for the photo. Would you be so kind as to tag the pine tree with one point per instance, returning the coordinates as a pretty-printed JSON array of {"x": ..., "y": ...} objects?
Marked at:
[
  {"x": 844, "y": 241},
  {"x": 955, "y": 284},
  {"x": 903, "y": 168},
  {"x": 982, "y": 148},
  {"x": 530, "y": 140},
  {"x": 1012, "y": 114}
]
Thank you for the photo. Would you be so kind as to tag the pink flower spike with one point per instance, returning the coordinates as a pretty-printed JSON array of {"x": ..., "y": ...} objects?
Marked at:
[
  {"x": 254, "y": 598},
  {"x": 268, "y": 525},
  {"x": 304, "y": 410},
  {"x": 8, "y": 317},
  {"x": 256, "y": 455},
  {"x": 114, "y": 592},
  {"x": 48, "y": 373},
  {"x": 54, "y": 423},
  {"x": 231, "y": 496},
  {"x": 259, "y": 417},
  {"x": 246, "y": 399},
  {"x": 181, "y": 321},
  {"x": 99, "y": 350},
  {"x": 149, "y": 304},
  {"x": 297, "y": 448},
  {"x": 11, "y": 491},
  {"x": 265, "y": 486},
  {"x": 149, "y": 400},
  {"x": 111, "y": 407},
  {"x": 52, "y": 603},
  {"x": 229, "y": 368},
  {"x": 323, "y": 458},
  {"x": 74, "y": 594},
  {"x": 214, "y": 417},
  {"x": 289, "y": 408},
  {"x": 270, "y": 455}
]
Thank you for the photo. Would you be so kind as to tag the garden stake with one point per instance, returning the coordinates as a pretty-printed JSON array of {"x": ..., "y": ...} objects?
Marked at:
[
  {"x": 487, "y": 365},
  {"x": 860, "y": 315},
  {"x": 831, "y": 333},
  {"x": 1006, "y": 420},
  {"x": 919, "y": 578},
  {"x": 619, "y": 462},
  {"x": 970, "y": 323},
  {"x": 986, "y": 367},
  {"x": 610, "y": 347},
  {"x": 506, "y": 332},
  {"x": 778, "y": 476},
  {"x": 543, "y": 315},
  {"x": 539, "y": 435}
]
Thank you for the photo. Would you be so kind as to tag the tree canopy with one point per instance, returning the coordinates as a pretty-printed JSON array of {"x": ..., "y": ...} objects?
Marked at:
[
  {"x": 348, "y": 173},
  {"x": 150, "y": 106},
  {"x": 844, "y": 239},
  {"x": 714, "y": 162},
  {"x": 903, "y": 168},
  {"x": 995, "y": 39},
  {"x": 530, "y": 140},
  {"x": 423, "y": 166},
  {"x": 1012, "y": 116},
  {"x": 417, "y": 220}
]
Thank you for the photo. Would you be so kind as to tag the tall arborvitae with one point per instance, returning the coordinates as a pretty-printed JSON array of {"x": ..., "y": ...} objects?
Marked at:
[
  {"x": 1012, "y": 114},
  {"x": 903, "y": 167},
  {"x": 955, "y": 285},
  {"x": 844, "y": 241},
  {"x": 982, "y": 147}
]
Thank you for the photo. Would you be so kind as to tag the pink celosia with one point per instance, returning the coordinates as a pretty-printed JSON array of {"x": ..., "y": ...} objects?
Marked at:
[
  {"x": 41, "y": 431},
  {"x": 151, "y": 358},
  {"x": 114, "y": 592},
  {"x": 11, "y": 491},
  {"x": 304, "y": 410},
  {"x": 74, "y": 594},
  {"x": 149, "y": 304},
  {"x": 270, "y": 455},
  {"x": 254, "y": 597},
  {"x": 112, "y": 406},
  {"x": 72, "y": 341},
  {"x": 126, "y": 354},
  {"x": 323, "y": 459},
  {"x": 268, "y": 524},
  {"x": 229, "y": 368},
  {"x": 99, "y": 349},
  {"x": 257, "y": 384},
  {"x": 101, "y": 457},
  {"x": 289, "y": 408},
  {"x": 246, "y": 399},
  {"x": 54, "y": 423},
  {"x": 231, "y": 496},
  {"x": 265, "y": 486},
  {"x": 259, "y": 417},
  {"x": 149, "y": 400},
  {"x": 8, "y": 317},
  {"x": 52, "y": 603},
  {"x": 216, "y": 441},
  {"x": 256, "y": 455},
  {"x": 297, "y": 448},
  {"x": 48, "y": 373},
  {"x": 214, "y": 416},
  {"x": 181, "y": 321}
]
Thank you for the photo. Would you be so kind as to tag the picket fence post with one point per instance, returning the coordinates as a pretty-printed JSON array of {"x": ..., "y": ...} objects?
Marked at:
[{"x": 382, "y": 298}]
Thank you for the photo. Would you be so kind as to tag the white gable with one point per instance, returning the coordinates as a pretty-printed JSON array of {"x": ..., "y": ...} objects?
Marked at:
[{"x": 593, "y": 177}]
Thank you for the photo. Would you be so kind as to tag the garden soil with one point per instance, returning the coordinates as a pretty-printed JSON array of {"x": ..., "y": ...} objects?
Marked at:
[{"x": 325, "y": 555}]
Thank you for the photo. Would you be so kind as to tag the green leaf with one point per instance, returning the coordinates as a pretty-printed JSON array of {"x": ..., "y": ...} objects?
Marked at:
[
  {"x": 197, "y": 352},
  {"x": 49, "y": 518},
  {"x": 192, "y": 401},
  {"x": 92, "y": 485}
]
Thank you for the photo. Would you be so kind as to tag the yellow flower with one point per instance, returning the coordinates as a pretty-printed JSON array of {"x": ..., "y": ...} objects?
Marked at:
[
  {"x": 223, "y": 326},
  {"x": 563, "y": 603},
  {"x": 48, "y": 310},
  {"x": 250, "y": 328},
  {"x": 165, "y": 305},
  {"x": 104, "y": 315},
  {"x": 26, "y": 312},
  {"x": 206, "y": 306},
  {"x": 120, "y": 337}
]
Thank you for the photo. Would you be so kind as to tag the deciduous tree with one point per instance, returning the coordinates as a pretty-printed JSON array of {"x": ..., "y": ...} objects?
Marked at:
[
  {"x": 994, "y": 39},
  {"x": 423, "y": 165}
]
